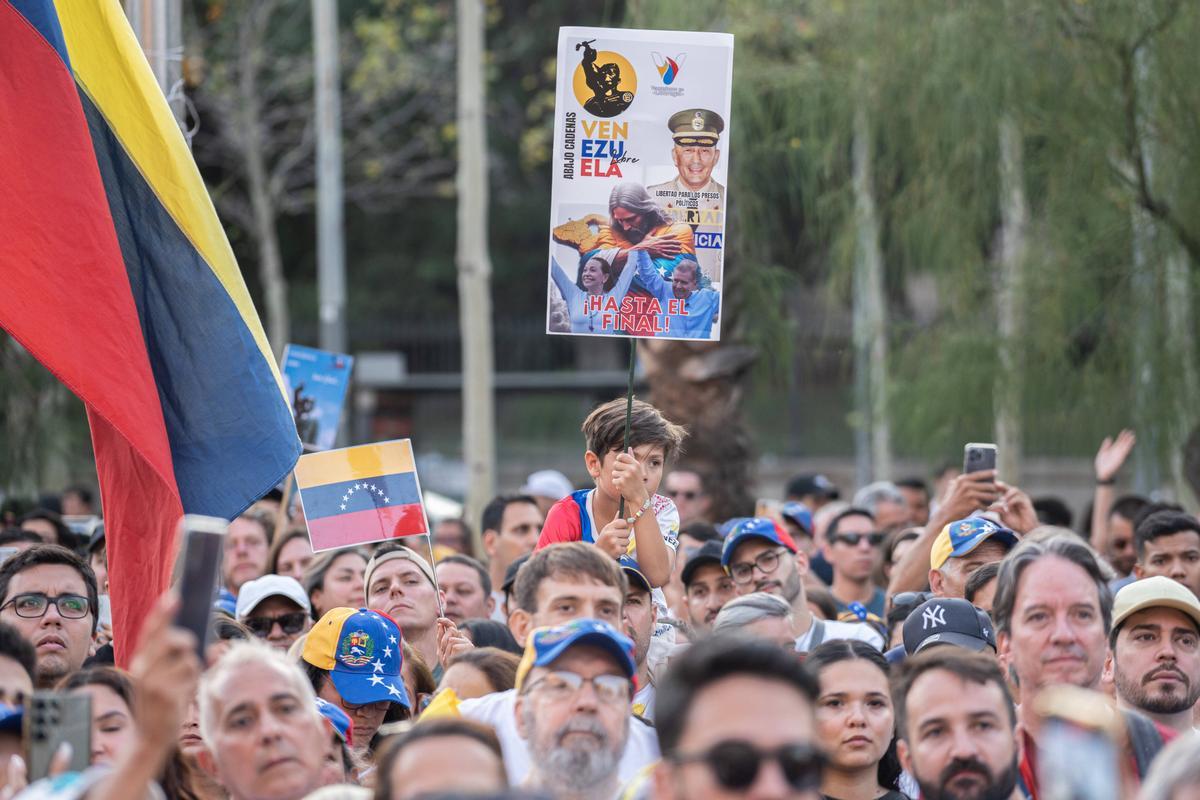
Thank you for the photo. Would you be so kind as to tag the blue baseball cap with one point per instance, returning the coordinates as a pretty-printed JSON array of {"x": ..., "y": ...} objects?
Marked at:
[
  {"x": 361, "y": 651},
  {"x": 745, "y": 528},
  {"x": 11, "y": 718},
  {"x": 961, "y": 537},
  {"x": 338, "y": 719},
  {"x": 633, "y": 572},
  {"x": 799, "y": 514},
  {"x": 547, "y": 645}
]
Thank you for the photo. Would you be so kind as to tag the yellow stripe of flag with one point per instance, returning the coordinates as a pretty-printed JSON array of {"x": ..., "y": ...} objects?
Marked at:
[
  {"x": 108, "y": 63},
  {"x": 352, "y": 463}
]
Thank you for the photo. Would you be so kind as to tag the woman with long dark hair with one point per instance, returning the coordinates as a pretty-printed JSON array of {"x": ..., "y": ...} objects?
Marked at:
[{"x": 856, "y": 722}]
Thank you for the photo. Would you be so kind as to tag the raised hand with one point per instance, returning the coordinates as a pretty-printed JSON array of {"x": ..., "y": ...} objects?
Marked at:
[
  {"x": 629, "y": 478},
  {"x": 1112, "y": 455}
]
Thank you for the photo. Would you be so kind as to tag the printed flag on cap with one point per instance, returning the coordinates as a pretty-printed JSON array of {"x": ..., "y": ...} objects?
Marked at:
[{"x": 358, "y": 495}]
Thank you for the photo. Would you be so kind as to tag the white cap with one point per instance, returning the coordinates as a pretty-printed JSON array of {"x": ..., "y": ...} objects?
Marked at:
[
  {"x": 548, "y": 483},
  {"x": 254, "y": 592}
]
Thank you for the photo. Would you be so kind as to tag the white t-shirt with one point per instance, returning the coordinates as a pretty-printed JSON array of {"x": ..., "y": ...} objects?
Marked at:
[
  {"x": 839, "y": 630},
  {"x": 643, "y": 701},
  {"x": 498, "y": 710},
  {"x": 498, "y": 612}
]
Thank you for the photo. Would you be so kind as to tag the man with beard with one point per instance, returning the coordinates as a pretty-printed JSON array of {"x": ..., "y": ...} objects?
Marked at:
[
  {"x": 956, "y": 726},
  {"x": 1053, "y": 613},
  {"x": 640, "y": 616},
  {"x": 1155, "y": 661},
  {"x": 707, "y": 586},
  {"x": 761, "y": 557},
  {"x": 574, "y": 689}
]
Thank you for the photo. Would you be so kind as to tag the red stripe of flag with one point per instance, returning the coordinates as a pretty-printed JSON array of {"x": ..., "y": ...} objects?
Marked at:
[
  {"x": 372, "y": 525},
  {"x": 66, "y": 299}
]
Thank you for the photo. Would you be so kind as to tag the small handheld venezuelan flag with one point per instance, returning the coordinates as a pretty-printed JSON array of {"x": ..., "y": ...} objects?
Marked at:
[{"x": 358, "y": 495}]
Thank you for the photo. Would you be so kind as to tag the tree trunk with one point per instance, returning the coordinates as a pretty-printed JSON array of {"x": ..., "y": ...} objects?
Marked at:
[
  {"x": 263, "y": 205},
  {"x": 474, "y": 264},
  {"x": 1014, "y": 224},
  {"x": 870, "y": 319},
  {"x": 699, "y": 385}
]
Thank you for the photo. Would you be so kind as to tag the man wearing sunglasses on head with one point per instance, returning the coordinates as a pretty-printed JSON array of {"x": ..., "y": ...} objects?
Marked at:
[
  {"x": 735, "y": 720},
  {"x": 852, "y": 547},
  {"x": 276, "y": 609},
  {"x": 49, "y": 595},
  {"x": 762, "y": 557}
]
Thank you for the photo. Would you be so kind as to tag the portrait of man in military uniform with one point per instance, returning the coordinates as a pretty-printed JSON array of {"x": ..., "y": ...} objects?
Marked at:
[
  {"x": 693, "y": 197},
  {"x": 607, "y": 99}
]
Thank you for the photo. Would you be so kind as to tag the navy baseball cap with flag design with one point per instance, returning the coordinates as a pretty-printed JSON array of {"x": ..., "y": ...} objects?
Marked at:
[
  {"x": 961, "y": 537},
  {"x": 745, "y": 528},
  {"x": 361, "y": 651},
  {"x": 547, "y": 645}
]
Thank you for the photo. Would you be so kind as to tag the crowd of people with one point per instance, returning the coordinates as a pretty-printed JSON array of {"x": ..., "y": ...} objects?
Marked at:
[{"x": 951, "y": 640}]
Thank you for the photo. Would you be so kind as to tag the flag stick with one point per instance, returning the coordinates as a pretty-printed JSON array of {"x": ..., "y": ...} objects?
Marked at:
[
  {"x": 628, "y": 410},
  {"x": 281, "y": 519}
]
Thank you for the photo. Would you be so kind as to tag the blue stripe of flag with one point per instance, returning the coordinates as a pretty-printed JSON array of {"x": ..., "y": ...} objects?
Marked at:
[{"x": 363, "y": 494}]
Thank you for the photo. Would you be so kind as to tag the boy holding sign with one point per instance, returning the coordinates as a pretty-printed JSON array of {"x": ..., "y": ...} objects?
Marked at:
[{"x": 650, "y": 526}]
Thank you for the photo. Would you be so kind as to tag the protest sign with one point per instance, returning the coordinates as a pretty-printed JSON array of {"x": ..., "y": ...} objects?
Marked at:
[
  {"x": 639, "y": 203},
  {"x": 316, "y": 382},
  {"x": 363, "y": 494}
]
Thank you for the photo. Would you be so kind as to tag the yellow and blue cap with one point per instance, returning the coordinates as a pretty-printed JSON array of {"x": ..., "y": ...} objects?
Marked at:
[
  {"x": 744, "y": 528},
  {"x": 547, "y": 645},
  {"x": 961, "y": 537},
  {"x": 361, "y": 651}
]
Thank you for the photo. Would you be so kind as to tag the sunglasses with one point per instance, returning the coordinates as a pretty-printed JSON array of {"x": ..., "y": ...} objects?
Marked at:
[
  {"x": 852, "y": 539},
  {"x": 688, "y": 494},
  {"x": 735, "y": 764},
  {"x": 291, "y": 623}
]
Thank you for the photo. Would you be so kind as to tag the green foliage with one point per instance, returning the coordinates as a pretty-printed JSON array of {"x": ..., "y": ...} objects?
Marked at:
[{"x": 936, "y": 77}]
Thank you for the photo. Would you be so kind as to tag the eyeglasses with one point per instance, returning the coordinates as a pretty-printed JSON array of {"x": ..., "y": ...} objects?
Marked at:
[
  {"x": 767, "y": 563},
  {"x": 375, "y": 706},
  {"x": 562, "y": 685},
  {"x": 291, "y": 623},
  {"x": 852, "y": 539},
  {"x": 686, "y": 494},
  {"x": 34, "y": 605},
  {"x": 735, "y": 763}
]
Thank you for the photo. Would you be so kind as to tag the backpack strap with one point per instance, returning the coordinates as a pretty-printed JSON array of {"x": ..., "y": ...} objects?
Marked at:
[
  {"x": 818, "y": 634},
  {"x": 1144, "y": 739}
]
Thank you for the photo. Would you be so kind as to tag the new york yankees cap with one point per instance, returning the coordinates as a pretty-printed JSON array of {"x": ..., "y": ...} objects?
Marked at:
[{"x": 948, "y": 620}]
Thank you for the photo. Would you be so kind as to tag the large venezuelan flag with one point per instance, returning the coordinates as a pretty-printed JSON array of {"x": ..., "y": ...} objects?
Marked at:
[
  {"x": 361, "y": 494},
  {"x": 116, "y": 275}
]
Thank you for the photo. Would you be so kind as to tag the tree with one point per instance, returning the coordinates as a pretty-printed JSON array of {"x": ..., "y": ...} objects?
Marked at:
[{"x": 255, "y": 100}]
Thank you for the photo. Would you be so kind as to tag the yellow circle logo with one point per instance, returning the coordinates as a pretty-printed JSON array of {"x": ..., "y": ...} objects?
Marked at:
[{"x": 605, "y": 83}]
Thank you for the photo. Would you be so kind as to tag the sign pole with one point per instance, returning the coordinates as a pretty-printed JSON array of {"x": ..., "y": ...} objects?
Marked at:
[{"x": 628, "y": 409}]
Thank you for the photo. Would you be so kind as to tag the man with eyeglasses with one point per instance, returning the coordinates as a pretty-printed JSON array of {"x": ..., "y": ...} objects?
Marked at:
[
  {"x": 761, "y": 557},
  {"x": 736, "y": 720},
  {"x": 574, "y": 688},
  {"x": 686, "y": 488},
  {"x": 852, "y": 547},
  {"x": 49, "y": 595},
  {"x": 276, "y": 609}
]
